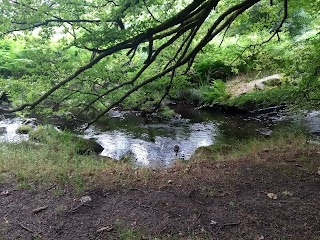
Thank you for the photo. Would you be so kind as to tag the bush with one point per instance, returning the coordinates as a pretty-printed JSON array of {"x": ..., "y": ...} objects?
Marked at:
[
  {"x": 190, "y": 95},
  {"x": 209, "y": 69}
]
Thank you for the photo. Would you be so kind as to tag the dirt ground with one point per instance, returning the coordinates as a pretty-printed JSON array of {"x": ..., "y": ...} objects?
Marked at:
[
  {"x": 239, "y": 86},
  {"x": 271, "y": 195}
]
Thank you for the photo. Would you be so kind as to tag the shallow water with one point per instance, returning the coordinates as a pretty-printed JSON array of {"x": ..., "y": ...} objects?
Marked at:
[{"x": 151, "y": 142}]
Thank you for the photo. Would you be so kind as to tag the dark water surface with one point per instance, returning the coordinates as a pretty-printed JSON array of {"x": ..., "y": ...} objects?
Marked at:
[{"x": 151, "y": 142}]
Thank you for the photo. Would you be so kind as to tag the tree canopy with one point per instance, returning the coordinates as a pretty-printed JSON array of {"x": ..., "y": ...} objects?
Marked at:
[{"x": 120, "y": 46}]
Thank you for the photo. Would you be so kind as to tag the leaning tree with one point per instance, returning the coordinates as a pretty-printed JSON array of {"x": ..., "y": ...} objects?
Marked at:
[{"x": 170, "y": 34}]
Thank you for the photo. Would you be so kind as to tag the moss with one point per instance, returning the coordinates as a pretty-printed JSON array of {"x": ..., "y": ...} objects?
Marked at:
[
  {"x": 86, "y": 146},
  {"x": 24, "y": 129},
  {"x": 42, "y": 133}
]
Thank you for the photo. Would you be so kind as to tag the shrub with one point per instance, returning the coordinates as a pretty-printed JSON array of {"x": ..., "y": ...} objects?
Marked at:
[
  {"x": 209, "y": 69},
  {"x": 190, "y": 95},
  {"x": 215, "y": 93}
]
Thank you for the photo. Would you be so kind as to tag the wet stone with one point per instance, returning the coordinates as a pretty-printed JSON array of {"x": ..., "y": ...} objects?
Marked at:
[{"x": 3, "y": 130}]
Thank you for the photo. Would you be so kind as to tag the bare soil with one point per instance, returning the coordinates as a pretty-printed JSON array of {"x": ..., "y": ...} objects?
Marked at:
[
  {"x": 269, "y": 195},
  {"x": 239, "y": 86}
]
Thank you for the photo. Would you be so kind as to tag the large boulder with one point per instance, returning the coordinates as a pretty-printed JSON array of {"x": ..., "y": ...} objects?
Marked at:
[
  {"x": 27, "y": 126},
  {"x": 49, "y": 134},
  {"x": 31, "y": 122},
  {"x": 86, "y": 146}
]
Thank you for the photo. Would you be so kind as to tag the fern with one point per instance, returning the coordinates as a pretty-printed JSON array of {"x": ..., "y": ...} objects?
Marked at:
[{"x": 216, "y": 93}]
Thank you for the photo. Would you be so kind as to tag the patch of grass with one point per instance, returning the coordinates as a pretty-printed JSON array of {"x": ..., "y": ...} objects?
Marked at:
[
  {"x": 252, "y": 147},
  {"x": 53, "y": 159},
  {"x": 130, "y": 233},
  {"x": 269, "y": 97},
  {"x": 190, "y": 95},
  {"x": 56, "y": 162}
]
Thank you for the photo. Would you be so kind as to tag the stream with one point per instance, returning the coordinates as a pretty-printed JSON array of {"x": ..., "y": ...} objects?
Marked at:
[{"x": 150, "y": 142}]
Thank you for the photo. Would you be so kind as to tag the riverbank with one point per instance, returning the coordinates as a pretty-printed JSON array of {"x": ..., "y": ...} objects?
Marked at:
[{"x": 261, "y": 189}]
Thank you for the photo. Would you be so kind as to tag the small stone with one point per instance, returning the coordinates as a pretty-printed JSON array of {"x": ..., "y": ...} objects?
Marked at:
[
  {"x": 4, "y": 193},
  {"x": 85, "y": 199},
  {"x": 212, "y": 222},
  {"x": 169, "y": 181},
  {"x": 105, "y": 229},
  {"x": 272, "y": 196}
]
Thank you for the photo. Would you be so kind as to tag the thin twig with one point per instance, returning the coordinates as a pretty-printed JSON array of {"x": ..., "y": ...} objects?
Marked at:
[{"x": 26, "y": 228}]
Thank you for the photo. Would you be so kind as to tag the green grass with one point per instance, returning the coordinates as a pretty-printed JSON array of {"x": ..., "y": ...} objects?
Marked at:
[
  {"x": 269, "y": 97},
  {"x": 53, "y": 158},
  {"x": 279, "y": 142}
]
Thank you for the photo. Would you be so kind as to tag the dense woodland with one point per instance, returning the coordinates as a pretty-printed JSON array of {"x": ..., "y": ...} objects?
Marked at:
[{"x": 76, "y": 58}]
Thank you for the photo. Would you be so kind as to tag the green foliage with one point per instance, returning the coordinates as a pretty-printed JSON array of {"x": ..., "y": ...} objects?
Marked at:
[
  {"x": 265, "y": 98},
  {"x": 31, "y": 62},
  {"x": 166, "y": 112},
  {"x": 298, "y": 23},
  {"x": 209, "y": 69},
  {"x": 190, "y": 95},
  {"x": 216, "y": 93}
]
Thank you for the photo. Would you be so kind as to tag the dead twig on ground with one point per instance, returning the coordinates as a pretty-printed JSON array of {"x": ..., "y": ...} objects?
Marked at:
[
  {"x": 25, "y": 228},
  {"x": 39, "y": 209}
]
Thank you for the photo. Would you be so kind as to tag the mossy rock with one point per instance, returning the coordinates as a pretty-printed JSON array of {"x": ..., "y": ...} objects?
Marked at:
[
  {"x": 48, "y": 134},
  {"x": 86, "y": 146},
  {"x": 42, "y": 133},
  {"x": 24, "y": 129},
  {"x": 273, "y": 82}
]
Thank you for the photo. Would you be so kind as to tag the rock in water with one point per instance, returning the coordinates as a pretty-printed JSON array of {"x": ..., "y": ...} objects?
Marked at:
[
  {"x": 24, "y": 129},
  {"x": 3, "y": 130},
  {"x": 87, "y": 146},
  {"x": 176, "y": 149}
]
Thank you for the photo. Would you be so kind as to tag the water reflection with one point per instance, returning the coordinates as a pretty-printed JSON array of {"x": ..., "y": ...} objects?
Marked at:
[{"x": 158, "y": 149}]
